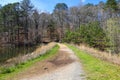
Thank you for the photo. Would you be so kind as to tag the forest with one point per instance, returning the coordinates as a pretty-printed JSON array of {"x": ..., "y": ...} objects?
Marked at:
[{"x": 23, "y": 27}]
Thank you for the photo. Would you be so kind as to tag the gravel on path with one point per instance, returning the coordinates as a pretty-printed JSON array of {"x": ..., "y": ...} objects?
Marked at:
[{"x": 71, "y": 71}]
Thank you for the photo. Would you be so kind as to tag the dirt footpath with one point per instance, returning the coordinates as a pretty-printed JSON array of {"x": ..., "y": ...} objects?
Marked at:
[{"x": 64, "y": 66}]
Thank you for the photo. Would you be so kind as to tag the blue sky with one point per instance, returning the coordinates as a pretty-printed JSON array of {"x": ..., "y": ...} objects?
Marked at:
[{"x": 48, "y": 5}]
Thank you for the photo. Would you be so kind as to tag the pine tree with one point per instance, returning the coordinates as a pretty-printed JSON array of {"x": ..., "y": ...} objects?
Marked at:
[{"x": 112, "y": 4}]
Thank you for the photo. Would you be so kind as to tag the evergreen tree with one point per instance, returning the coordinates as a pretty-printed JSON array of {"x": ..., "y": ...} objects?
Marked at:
[
  {"x": 112, "y": 4},
  {"x": 61, "y": 7}
]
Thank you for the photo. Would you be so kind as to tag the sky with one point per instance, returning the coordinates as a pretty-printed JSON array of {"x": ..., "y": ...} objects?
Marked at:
[{"x": 48, "y": 5}]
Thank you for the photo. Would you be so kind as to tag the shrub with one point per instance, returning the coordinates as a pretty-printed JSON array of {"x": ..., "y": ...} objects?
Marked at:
[{"x": 91, "y": 34}]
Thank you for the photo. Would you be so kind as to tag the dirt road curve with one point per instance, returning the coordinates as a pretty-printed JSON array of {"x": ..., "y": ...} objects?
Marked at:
[{"x": 64, "y": 66}]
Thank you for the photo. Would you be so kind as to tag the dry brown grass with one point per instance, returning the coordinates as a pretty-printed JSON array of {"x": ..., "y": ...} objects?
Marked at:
[{"x": 114, "y": 58}]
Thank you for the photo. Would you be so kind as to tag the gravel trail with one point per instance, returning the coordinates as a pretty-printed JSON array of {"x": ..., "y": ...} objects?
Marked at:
[{"x": 66, "y": 64}]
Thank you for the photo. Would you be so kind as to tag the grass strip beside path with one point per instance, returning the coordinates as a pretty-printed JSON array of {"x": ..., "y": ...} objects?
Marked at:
[
  {"x": 97, "y": 69},
  {"x": 6, "y": 73}
]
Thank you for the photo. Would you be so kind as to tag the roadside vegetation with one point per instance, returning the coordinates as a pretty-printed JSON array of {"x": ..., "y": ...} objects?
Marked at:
[
  {"x": 91, "y": 34},
  {"x": 11, "y": 71},
  {"x": 96, "y": 69},
  {"x": 112, "y": 58}
]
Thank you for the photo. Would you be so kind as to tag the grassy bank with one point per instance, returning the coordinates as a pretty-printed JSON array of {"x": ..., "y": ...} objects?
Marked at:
[
  {"x": 97, "y": 69},
  {"x": 11, "y": 71}
]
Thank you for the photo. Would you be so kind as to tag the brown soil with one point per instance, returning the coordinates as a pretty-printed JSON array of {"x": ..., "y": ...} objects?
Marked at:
[{"x": 61, "y": 59}]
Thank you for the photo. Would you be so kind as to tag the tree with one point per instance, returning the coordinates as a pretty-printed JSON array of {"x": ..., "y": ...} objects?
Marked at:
[
  {"x": 112, "y": 8},
  {"x": 112, "y": 5},
  {"x": 113, "y": 32},
  {"x": 60, "y": 14},
  {"x": 112, "y": 27},
  {"x": 51, "y": 29},
  {"x": 61, "y": 7},
  {"x": 88, "y": 13},
  {"x": 36, "y": 22},
  {"x": 75, "y": 17},
  {"x": 26, "y": 8},
  {"x": 10, "y": 15}
]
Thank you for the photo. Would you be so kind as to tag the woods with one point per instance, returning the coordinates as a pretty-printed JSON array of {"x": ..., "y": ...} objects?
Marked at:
[{"x": 22, "y": 26}]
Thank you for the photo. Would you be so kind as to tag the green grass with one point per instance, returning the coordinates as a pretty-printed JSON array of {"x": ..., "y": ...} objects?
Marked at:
[
  {"x": 97, "y": 69},
  {"x": 6, "y": 73}
]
